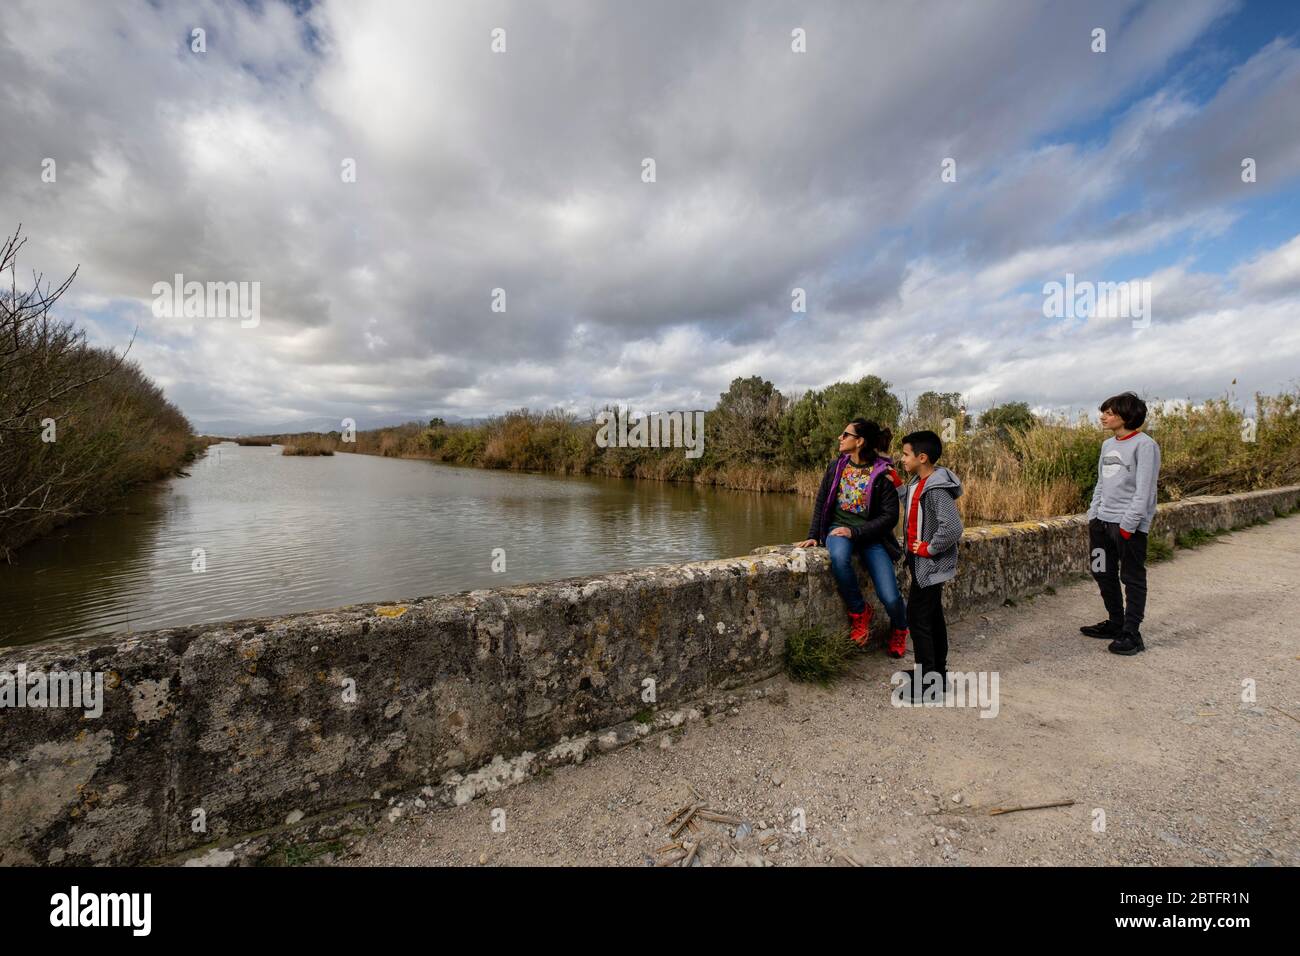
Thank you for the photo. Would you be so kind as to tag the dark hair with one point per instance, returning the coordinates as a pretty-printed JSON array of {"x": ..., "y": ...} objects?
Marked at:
[
  {"x": 1128, "y": 407},
  {"x": 872, "y": 433},
  {"x": 925, "y": 443},
  {"x": 886, "y": 439}
]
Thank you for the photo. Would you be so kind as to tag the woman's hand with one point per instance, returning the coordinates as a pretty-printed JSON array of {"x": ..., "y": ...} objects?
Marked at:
[
  {"x": 842, "y": 532},
  {"x": 810, "y": 543}
]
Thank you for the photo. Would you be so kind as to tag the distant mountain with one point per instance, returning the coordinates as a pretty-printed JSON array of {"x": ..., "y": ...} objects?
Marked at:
[{"x": 230, "y": 427}]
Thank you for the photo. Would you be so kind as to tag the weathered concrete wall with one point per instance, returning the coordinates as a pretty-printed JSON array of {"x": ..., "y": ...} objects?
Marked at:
[{"x": 252, "y": 723}]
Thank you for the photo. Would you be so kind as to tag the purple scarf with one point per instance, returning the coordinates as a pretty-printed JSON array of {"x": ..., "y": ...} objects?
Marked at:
[{"x": 881, "y": 465}]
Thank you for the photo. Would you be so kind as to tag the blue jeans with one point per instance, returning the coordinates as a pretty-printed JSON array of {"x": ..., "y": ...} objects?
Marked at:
[{"x": 875, "y": 558}]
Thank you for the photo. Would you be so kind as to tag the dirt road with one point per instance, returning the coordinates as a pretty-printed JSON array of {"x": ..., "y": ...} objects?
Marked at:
[{"x": 1165, "y": 762}]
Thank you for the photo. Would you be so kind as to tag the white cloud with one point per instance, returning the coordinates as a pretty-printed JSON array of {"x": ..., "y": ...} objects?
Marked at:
[
  {"x": 522, "y": 171},
  {"x": 1275, "y": 272}
]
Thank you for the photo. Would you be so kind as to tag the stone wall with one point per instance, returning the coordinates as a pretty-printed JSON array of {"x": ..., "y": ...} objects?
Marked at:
[{"x": 251, "y": 726}]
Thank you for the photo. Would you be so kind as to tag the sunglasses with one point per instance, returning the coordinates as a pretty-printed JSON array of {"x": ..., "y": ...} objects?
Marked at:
[{"x": 849, "y": 435}]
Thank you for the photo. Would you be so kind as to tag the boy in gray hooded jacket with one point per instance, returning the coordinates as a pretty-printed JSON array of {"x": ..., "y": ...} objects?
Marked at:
[{"x": 932, "y": 529}]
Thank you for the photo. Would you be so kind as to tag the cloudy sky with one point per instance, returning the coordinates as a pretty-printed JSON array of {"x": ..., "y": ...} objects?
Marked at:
[{"x": 522, "y": 170}]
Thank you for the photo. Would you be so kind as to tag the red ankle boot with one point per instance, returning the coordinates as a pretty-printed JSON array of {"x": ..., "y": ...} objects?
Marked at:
[
  {"x": 861, "y": 624},
  {"x": 898, "y": 643}
]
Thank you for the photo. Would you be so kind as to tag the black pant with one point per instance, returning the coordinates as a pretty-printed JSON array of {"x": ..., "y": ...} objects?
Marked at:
[
  {"x": 929, "y": 629},
  {"x": 1116, "y": 560}
]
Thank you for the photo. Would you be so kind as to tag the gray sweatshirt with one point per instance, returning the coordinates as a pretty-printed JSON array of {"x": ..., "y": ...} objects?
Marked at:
[{"x": 1126, "y": 482}]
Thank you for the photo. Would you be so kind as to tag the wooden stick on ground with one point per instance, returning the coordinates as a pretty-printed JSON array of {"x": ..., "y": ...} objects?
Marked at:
[
  {"x": 677, "y": 830},
  {"x": 1281, "y": 711},
  {"x": 690, "y": 856},
  {"x": 1036, "y": 806},
  {"x": 672, "y": 859},
  {"x": 670, "y": 820},
  {"x": 713, "y": 817}
]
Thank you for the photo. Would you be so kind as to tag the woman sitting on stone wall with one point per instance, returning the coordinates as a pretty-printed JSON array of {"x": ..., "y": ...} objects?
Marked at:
[{"x": 856, "y": 512}]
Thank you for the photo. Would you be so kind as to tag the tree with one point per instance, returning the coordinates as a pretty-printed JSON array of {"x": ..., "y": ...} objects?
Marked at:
[
  {"x": 42, "y": 359},
  {"x": 798, "y": 424},
  {"x": 1009, "y": 417},
  {"x": 933, "y": 407},
  {"x": 77, "y": 424},
  {"x": 811, "y": 429},
  {"x": 747, "y": 420}
]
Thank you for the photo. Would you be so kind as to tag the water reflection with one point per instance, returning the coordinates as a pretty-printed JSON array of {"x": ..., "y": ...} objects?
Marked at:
[{"x": 280, "y": 534}]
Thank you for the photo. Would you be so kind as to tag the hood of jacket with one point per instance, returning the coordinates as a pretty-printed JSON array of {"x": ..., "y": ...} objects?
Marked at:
[{"x": 943, "y": 478}]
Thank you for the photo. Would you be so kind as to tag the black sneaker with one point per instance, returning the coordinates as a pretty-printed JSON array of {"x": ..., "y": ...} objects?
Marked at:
[
  {"x": 1128, "y": 644},
  {"x": 1105, "y": 628},
  {"x": 931, "y": 693}
]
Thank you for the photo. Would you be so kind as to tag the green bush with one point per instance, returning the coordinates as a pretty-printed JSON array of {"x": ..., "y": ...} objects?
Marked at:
[
  {"x": 1195, "y": 538},
  {"x": 816, "y": 654},
  {"x": 1158, "y": 549}
]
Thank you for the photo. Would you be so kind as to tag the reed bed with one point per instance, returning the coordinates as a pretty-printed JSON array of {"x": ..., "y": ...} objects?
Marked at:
[
  {"x": 1041, "y": 468},
  {"x": 308, "y": 447}
]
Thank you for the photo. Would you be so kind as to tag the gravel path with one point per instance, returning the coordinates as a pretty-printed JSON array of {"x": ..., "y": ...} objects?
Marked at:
[{"x": 1162, "y": 744}]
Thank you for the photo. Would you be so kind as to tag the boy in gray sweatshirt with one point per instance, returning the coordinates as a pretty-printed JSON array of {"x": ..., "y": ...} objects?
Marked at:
[{"x": 1123, "y": 505}]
